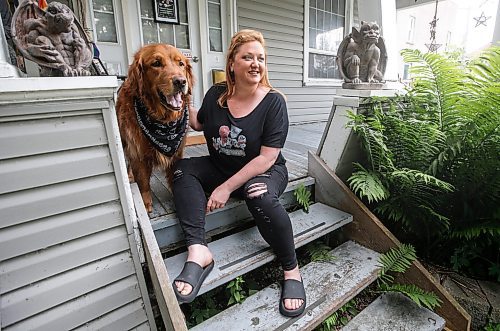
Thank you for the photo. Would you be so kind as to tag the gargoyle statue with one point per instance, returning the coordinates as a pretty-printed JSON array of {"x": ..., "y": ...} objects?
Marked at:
[
  {"x": 362, "y": 56},
  {"x": 53, "y": 38}
]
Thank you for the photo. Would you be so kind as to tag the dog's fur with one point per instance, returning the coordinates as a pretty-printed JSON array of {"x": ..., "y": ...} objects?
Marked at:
[{"x": 156, "y": 69}]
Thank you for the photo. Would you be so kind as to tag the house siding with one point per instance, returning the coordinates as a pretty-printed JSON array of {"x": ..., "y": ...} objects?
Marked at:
[
  {"x": 282, "y": 24},
  {"x": 67, "y": 255}
]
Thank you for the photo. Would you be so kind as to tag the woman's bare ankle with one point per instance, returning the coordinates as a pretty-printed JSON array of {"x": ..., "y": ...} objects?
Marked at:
[
  {"x": 199, "y": 254},
  {"x": 292, "y": 274}
]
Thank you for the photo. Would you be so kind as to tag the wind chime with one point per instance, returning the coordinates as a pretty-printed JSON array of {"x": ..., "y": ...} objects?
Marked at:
[{"x": 433, "y": 46}]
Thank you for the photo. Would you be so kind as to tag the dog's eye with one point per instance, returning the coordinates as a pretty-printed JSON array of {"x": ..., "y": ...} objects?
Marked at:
[
  {"x": 157, "y": 63},
  {"x": 182, "y": 64}
]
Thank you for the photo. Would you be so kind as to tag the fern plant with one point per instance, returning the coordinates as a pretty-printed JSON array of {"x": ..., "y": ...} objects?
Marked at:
[
  {"x": 433, "y": 166},
  {"x": 398, "y": 260},
  {"x": 303, "y": 197}
]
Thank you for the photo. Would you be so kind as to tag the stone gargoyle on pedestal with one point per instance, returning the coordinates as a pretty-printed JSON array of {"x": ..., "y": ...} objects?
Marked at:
[
  {"x": 362, "y": 58},
  {"x": 52, "y": 38}
]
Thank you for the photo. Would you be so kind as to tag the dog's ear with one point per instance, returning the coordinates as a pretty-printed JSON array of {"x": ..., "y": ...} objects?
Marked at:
[
  {"x": 135, "y": 73},
  {"x": 189, "y": 76}
]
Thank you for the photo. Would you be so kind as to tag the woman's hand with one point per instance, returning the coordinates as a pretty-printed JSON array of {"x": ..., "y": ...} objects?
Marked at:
[{"x": 218, "y": 198}]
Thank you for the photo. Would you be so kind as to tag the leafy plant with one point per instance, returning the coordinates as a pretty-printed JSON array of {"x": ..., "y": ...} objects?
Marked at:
[
  {"x": 492, "y": 327},
  {"x": 303, "y": 197},
  {"x": 398, "y": 260},
  {"x": 319, "y": 252},
  {"x": 432, "y": 169},
  {"x": 203, "y": 308},
  {"x": 341, "y": 317},
  {"x": 236, "y": 292}
]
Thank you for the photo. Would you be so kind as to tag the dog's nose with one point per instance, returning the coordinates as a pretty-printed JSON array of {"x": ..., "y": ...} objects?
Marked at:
[{"x": 179, "y": 81}]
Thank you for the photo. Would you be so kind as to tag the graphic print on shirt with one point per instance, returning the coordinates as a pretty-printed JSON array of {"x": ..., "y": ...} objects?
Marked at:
[{"x": 230, "y": 141}]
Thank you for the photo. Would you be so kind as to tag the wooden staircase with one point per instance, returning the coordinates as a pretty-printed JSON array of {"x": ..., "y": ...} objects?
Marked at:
[{"x": 329, "y": 285}]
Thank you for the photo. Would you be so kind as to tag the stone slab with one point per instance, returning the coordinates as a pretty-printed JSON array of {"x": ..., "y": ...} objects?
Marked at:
[
  {"x": 395, "y": 312},
  {"x": 492, "y": 292}
]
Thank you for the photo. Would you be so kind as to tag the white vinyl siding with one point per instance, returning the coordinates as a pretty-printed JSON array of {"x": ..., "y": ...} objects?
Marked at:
[
  {"x": 67, "y": 254},
  {"x": 282, "y": 24}
]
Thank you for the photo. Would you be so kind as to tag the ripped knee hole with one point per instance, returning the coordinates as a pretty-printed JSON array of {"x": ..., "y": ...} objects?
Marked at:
[{"x": 256, "y": 190}]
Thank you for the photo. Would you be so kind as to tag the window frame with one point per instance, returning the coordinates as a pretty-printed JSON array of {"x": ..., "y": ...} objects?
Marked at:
[
  {"x": 221, "y": 29},
  {"x": 94, "y": 27},
  {"x": 306, "y": 80},
  {"x": 138, "y": 2}
]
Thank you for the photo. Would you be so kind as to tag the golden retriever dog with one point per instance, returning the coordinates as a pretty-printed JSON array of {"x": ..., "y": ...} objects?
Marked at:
[{"x": 152, "y": 111}]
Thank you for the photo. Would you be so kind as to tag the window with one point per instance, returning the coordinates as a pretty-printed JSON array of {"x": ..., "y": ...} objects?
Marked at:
[
  {"x": 152, "y": 32},
  {"x": 327, "y": 23},
  {"x": 214, "y": 26},
  {"x": 411, "y": 30},
  {"x": 104, "y": 20}
]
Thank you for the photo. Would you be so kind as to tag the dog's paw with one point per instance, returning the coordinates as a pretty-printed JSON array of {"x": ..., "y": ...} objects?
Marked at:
[
  {"x": 130, "y": 175},
  {"x": 148, "y": 201}
]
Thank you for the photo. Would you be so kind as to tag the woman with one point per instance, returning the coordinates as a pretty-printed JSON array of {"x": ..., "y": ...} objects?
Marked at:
[{"x": 245, "y": 124}]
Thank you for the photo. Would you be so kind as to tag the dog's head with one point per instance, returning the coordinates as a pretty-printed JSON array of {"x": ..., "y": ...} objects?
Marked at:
[{"x": 161, "y": 74}]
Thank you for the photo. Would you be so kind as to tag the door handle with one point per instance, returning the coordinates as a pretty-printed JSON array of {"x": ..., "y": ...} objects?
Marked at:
[{"x": 195, "y": 59}]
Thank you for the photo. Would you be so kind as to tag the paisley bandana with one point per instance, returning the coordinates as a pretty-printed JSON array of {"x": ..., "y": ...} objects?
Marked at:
[{"x": 166, "y": 138}]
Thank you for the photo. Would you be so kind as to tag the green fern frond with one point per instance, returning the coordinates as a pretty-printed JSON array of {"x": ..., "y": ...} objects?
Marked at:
[
  {"x": 367, "y": 184},
  {"x": 418, "y": 295},
  {"x": 303, "y": 197},
  {"x": 396, "y": 260}
]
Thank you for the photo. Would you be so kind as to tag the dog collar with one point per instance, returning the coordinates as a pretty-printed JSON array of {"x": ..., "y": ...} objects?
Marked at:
[{"x": 166, "y": 138}]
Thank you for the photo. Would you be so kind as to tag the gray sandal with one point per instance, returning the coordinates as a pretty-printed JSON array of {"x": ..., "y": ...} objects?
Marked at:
[
  {"x": 292, "y": 289},
  {"x": 194, "y": 275}
]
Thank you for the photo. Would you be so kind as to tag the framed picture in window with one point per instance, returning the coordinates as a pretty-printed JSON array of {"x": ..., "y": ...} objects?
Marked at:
[{"x": 166, "y": 11}]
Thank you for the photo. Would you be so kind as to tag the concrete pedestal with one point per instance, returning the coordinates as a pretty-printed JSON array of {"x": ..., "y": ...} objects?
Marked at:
[{"x": 339, "y": 147}]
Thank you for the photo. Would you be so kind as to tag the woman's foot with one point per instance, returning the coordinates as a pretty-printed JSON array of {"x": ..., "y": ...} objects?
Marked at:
[
  {"x": 293, "y": 304},
  {"x": 199, "y": 254}
]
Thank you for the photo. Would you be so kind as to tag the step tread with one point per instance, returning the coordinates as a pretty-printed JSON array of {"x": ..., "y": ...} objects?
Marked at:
[
  {"x": 328, "y": 286},
  {"x": 395, "y": 312},
  {"x": 244, "y": 251}
]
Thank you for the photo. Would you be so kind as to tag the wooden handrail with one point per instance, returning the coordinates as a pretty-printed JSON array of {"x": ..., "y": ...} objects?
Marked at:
[{"x": 169, "y": 308}]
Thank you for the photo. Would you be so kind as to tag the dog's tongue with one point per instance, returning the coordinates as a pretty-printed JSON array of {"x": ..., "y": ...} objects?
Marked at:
[{"x": 175, "y": 100}]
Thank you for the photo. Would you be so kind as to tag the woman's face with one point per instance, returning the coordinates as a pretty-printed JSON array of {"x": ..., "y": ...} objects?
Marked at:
[{"x": 249, "y": 63}]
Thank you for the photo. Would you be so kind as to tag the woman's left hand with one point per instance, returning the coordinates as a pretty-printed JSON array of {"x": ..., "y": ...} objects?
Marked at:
[{"x": 218, "y": 198}]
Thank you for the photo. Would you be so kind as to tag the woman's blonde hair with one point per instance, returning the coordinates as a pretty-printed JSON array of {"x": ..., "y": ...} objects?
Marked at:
[{"x": 240, "y": 38}]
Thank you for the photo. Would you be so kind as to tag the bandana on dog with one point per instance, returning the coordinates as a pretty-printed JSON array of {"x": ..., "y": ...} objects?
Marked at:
[{"x": 166, "y": 138}]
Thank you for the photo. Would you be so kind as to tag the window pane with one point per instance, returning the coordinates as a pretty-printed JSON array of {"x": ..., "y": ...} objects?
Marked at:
[
  {"x": 321, "y": 4},
  {"x": 328, "y": 5},
  {"x": 147, "y": 8},
  {"x": 312, "y": 17},
  {"x": 215, "y": 40},
  {"x": 105, "y": 27},
  {"x": 181, "y": 36},
  {"x": 323, "y": 66},
  {"x": 320, "y": 17},
  {"x": 214, "y": 15},
  {"x": 149, "y": 32},
  {"x": 183, "y": 12},
  {"x": 166, "y": 33},
  {"x": 312, "y": 38},
  {"x": 341, "y": 10},
  {"x": 104, "y": 5}
]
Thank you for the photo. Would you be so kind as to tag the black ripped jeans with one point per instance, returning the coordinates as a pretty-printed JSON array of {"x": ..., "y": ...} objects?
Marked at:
[{"x": 195, "y": 176}]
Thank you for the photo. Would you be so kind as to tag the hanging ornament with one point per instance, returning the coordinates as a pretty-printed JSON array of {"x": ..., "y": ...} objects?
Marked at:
[
  {"x": 433, "y": 46},
  {"x": 481, "y": 20}
]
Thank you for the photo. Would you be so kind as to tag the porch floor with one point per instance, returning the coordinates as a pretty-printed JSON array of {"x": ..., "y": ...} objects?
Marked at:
[{"x": 301, "y": 139}]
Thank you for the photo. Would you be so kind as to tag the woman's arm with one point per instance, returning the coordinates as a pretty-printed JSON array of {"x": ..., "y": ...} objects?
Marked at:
[
  {"x": 193, "y": 119},
  {"x": 256, "y": 166}
]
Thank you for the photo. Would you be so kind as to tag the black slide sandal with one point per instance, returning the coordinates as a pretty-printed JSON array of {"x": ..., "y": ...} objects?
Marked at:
[
  {"x": 292, "y": 289},
  {"x": 194, "y": 275}
]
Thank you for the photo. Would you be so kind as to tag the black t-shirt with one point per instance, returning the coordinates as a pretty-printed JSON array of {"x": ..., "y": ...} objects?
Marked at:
[{"x": 233, "y": 142}]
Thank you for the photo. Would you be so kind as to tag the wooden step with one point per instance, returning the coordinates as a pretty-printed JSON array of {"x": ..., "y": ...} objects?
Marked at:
[
  {"x": 168, "y": 232},
  {"x": 395, "y": 312},
  {"x": 329, "y": 285},
  {"x": 242, "y": 252}
]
